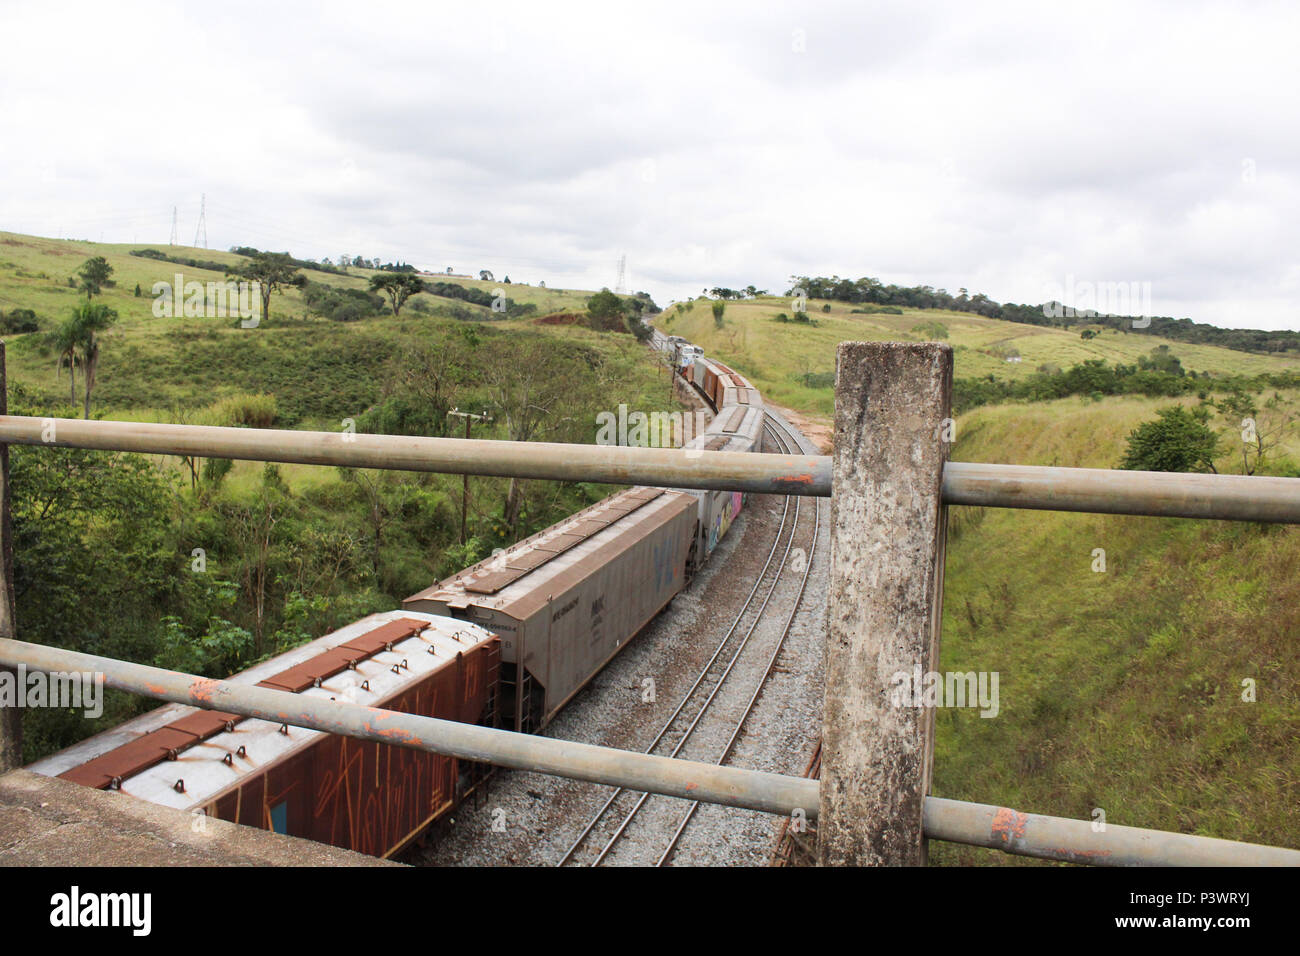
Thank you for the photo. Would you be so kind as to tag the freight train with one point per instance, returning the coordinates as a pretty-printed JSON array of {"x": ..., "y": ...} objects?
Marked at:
[{"x": 506, "y": 642}]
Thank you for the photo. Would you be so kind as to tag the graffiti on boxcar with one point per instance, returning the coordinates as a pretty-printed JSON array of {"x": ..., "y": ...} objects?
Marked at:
[{"x": 664, "y": 558}]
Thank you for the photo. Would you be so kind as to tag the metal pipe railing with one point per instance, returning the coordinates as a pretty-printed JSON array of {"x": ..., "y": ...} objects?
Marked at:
[
  {"x": 955, "y": 821},
  {"x": 1101, "y": 491},
  {"x": 1075, "y": 841},
  {"x": 730, "y": 786},
  {"x": 611, "y": 464},
  {"x": 1158, "y": 494}
]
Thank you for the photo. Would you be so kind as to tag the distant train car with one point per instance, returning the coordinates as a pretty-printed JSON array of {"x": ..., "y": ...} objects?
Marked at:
[
  {"x": 365, "y": 796},
  {"x": 737, "y": 426},
  {"x": 685, "y": 356},
  {"x": 566, "y": 600}
]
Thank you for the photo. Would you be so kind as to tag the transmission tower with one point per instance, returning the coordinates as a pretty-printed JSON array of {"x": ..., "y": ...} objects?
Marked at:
[
  {"x": 622, "y": 274},
  {"x": 201, "y": 231},
  {"x": 172, "y": 240}
]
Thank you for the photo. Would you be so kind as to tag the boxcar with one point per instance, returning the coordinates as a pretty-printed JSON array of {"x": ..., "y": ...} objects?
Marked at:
[
  {"x": 365, "y": 796},
  {"x": 566, "y": 600}
]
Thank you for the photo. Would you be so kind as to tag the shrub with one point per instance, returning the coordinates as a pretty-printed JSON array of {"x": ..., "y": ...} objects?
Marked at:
[
  {"x": 247, "y": 409},
  {"x": 17, "y": 321},
  {"x": 341, "y": 305},
  {"x": 931, "y": 330},
  {"x": 1178, "y": 440}
]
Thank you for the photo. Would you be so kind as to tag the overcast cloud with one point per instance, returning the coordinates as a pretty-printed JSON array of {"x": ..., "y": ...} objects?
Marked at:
[{"x": 1000, "y": 148}]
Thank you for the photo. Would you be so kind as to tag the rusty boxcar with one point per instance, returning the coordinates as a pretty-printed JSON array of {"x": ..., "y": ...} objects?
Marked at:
[
  {"x": 566, "y": 600},
  {"x": 365, "y": 796}
]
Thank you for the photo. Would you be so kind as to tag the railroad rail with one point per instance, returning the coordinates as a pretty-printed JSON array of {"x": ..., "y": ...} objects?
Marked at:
[
  {"x": 891, "y": 479},
  {"x": 667, "y": 854},
  {"x": 708, "y": 684}
]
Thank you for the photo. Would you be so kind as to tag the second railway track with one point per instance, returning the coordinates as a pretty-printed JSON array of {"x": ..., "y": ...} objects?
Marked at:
[{"x": 633, "y": 828}]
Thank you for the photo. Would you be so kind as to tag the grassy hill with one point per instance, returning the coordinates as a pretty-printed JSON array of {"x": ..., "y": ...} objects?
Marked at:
[
  {"x": 319, "y": 370},
  {"x": 104, "y": 542},
  {"x": 777, "y": 355},
  {"x": 1119, "y": 690}
]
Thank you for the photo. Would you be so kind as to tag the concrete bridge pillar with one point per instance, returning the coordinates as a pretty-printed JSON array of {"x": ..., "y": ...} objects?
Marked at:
[{"x": 893, "y": 410}]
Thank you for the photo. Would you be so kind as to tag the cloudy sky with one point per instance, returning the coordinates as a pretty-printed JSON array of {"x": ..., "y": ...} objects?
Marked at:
[{"x": 1013, "y": 149}]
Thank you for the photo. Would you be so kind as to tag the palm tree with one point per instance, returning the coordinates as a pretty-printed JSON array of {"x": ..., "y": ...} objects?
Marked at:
[
  {"x": 86, "y": 321},
  {"x": 65, "y": 342}
]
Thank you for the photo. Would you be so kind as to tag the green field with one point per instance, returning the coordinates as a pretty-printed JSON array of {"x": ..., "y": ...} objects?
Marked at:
[
  {"x": 775, "y": 355},
  {"x": 152, "y": 365},
  {"x": 1119, "y": 690}
]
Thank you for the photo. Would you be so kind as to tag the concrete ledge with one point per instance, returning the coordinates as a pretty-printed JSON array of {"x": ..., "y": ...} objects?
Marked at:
[{"x": 45, "y": 821}]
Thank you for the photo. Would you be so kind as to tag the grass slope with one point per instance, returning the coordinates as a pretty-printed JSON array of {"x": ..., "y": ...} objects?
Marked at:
[
  {"x": 776, "y": 354},
  {"x": 1119, "y": 690}
]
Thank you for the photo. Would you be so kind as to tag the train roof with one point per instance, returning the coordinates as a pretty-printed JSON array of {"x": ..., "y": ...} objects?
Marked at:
[
  {"x": 390, "y": 652},
  {"x": 521, "y": 579}
]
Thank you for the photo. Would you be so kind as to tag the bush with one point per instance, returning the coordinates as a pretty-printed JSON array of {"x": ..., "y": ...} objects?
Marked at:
[
  {"x": 18, "y": 321},
  {"x": 341, "y": 305},
  {"x": 1178, "y": 440},
  {"x": 216, "y": 469},
  {"x": 247, "y": 409},
  {"x": 931, "y": 330}
]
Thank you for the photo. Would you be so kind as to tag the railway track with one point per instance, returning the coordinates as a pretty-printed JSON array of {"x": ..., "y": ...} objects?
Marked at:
[{"x": 607, "y": 837}]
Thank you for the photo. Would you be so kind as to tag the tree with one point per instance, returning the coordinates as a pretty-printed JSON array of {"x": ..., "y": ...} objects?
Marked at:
[
  {"x": 271, "y": 271},
  {"x": 430, "y": 376},
  {"x": 64, "y": 342},
  {"x": 1178, "y": 440},
  {"x": 1260, "y": 433},
  {"x": 95, "y": 273},
  {"x": 485, "y": 275},
  {"x": 606, "y": 313},
  {"x": 719, "y": 307},
  {"x": 88, "y": 320},
  {"x": 398, "y": 286},
  {"x": 535, "y": 394}
]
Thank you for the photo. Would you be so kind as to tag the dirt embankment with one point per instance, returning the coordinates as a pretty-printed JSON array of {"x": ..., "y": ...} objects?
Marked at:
[{"x": 818, "y": 429}]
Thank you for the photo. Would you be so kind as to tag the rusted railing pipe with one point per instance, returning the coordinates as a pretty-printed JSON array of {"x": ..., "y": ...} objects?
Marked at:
[
  {"x": 976, "y": 824},
  {"x": 1075, "y": 841},
  {"x": 730, "y": 786},
  {"x": 1158, "y": 493},
  {"x": 612, "y": 464}
]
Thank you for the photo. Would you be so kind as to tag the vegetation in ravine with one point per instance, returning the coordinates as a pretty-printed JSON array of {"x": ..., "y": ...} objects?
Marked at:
[{"x": 208, "y": 565}]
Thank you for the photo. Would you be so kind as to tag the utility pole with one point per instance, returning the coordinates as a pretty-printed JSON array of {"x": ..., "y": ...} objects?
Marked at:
[
  {"x": 174, "y": 237},
  {"x": 470, "y": 418}
]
